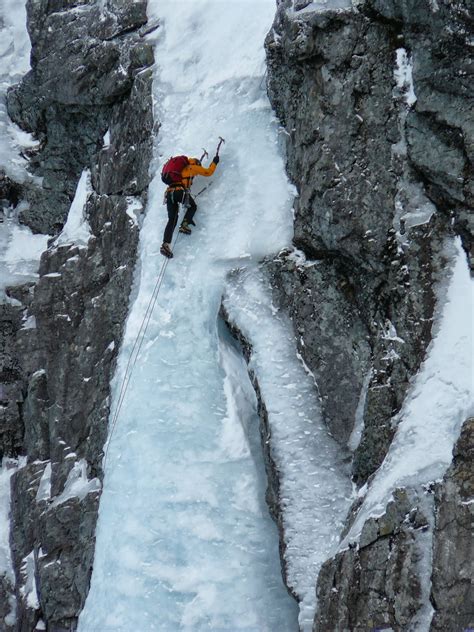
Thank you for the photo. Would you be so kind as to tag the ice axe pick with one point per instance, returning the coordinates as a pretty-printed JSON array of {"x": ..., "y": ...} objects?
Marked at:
[{"x": 221, "y": 140}]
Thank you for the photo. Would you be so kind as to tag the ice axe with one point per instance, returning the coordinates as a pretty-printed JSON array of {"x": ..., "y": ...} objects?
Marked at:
[
  {"x": 204, "y": 155},
  {"x": 221, "y": 140}
]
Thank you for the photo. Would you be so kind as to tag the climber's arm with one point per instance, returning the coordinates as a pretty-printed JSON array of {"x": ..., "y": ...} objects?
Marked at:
[{"x": 197, "y": 170}]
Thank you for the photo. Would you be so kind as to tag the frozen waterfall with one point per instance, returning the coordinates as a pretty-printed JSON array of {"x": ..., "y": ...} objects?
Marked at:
[{"x": 184, "y": 538}]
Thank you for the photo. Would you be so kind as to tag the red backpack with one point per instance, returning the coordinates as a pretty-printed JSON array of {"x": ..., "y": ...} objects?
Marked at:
[{"x": 171, "y": 172}]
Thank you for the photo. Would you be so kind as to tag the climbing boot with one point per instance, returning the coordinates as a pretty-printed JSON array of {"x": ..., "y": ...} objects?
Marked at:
[
  {"x": 166, "y": 250},
  {"x": 184, "y": 228}
]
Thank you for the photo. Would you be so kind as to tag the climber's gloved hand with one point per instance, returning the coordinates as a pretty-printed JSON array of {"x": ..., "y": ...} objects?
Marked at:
[{"x": 216, "y": 159}]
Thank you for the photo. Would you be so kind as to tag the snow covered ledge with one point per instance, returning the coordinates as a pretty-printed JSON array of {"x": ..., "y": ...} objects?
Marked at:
[{"x": 309, "y": 480}]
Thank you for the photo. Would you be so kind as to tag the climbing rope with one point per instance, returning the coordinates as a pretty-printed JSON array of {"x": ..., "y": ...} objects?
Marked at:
[
  {"x": 138, "y": 343},
  {"x": 135, "y": 352}
]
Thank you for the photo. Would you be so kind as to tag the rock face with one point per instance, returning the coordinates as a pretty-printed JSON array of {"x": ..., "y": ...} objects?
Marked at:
[
  {"x": 378, "y": 585},
  {"x": 90, "y": 75},
  {"x": 452, "y": 591},
  {"x": 376, "y": 106},
  {"x": 83, "y": 63}
]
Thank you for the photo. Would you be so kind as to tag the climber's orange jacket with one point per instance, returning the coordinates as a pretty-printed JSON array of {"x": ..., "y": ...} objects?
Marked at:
[{"x": 189, "y": 172}]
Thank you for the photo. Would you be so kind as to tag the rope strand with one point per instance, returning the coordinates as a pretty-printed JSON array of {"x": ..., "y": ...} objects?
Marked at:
[{"x": 138, "y": 341}]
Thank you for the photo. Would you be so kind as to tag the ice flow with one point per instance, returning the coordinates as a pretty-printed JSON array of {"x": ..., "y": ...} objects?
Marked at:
[{"x": 184, "y": 540}]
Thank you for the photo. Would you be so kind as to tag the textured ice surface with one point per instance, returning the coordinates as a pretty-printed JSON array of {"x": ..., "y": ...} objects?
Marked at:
[
  {"x": 184, "y": 540},
  {"x": 315, "y": 485}
]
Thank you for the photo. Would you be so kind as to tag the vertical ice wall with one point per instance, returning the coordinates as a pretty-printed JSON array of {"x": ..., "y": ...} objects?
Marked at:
[{"x": 181, "y": 541}]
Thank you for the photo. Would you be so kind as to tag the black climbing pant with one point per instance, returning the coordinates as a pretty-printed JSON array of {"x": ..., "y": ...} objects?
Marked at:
[{"x": 173, "y": 200}]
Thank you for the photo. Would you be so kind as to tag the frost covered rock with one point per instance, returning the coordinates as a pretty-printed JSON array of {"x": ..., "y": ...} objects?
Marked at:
[
  {"x": 122, "y": 164},
  {"x": 333, "y": 85},
  {"x": 332, "y": 338},
  {"x": 12, "y": 382},
  {"x": 85, "y": 56},
  {"x": 377, "y": 583},
  {"x": 51, "y": 544},
  {"x": 79, "y": 306},
  {"x": 88, "y": 76},
  {"x": 383, "y": 581}
]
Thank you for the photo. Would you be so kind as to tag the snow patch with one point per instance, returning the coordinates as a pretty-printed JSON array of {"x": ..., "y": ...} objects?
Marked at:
[
  {"x": 300, "y": 259},
  {"x": 320, "y": 6},
  {"x": 76, "y": 228},
  {"x": 134, "y": 208},
  {"x": 358, "y": 429},
  {"x": 29, "y": 323},
  {"x": 77, "y": 484},
  {"x": 22, "y": 251},
  {"x": 390, "y": 333},
  {"x": 403, "y": 75},
  {"x": 44, "y": 489},
  {"x": 28, "y": 590},
  {"x": 412, "y": 208}
]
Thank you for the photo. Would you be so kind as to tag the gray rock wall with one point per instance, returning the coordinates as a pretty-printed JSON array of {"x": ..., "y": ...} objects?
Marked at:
[
  {"x": 384, "y": 180},
  {"x": 452, "y": 591},
  {"x": 83, "y": 63},
  {"x": 90, "y": 74}
]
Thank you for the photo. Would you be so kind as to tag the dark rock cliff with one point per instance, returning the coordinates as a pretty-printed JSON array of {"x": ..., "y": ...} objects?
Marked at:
[
  {"x": 89, "y": 76},
  {"x": 384, "y": 176}
]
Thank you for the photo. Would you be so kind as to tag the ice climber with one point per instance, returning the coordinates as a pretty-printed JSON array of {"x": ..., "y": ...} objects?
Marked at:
[{"x": 178, "y": 173}]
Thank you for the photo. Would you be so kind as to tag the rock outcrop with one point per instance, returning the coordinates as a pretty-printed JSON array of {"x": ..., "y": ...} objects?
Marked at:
[
  {"x": 87, "y": 99},
  {"x": 84, "y": 59},
  {"x": 376, "y": 107},
  {"x": 381, "y": 582},
  {"x": 452, "y": 591}
]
